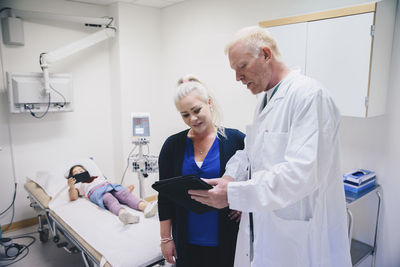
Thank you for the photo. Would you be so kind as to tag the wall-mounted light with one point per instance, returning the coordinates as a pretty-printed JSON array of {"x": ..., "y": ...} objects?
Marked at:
[{"x": 19, "y": 84}]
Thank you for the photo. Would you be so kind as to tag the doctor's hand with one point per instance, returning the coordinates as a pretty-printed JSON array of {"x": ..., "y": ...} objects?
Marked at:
[
  {"x": 168, "y": 251},
  {"x": 216, "y": 197}
]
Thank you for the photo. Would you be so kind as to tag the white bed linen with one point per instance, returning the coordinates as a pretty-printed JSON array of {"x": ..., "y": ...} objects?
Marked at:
[
  {"x": 54, "y": 180},
  {"x": 121, "y": 245}
]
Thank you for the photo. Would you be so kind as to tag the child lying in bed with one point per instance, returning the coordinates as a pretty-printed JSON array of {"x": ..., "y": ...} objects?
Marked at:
[{"x": 108, "y": 196}]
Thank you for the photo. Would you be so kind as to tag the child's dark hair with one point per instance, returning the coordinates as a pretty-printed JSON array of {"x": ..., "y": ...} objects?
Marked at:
[{"x": 72, "y": 168}]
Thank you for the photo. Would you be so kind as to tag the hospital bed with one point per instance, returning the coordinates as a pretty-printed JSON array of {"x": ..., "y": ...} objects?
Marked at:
[{"x": 94, "y": 232}]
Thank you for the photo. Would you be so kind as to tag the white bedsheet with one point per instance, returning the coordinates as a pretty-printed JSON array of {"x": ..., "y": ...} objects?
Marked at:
[
  {"x": 121, "y": 245},
  {"x": 54, "y": 180}
]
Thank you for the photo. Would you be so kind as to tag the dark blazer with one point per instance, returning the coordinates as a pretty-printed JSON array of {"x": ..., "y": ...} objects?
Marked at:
[{"x": 170, "y": 165}]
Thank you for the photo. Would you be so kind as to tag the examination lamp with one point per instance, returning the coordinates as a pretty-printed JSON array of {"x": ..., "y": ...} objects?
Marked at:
[{"x": 51, "y": 57}]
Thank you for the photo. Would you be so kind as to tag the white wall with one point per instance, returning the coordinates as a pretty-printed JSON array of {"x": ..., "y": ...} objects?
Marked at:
[
  {"x": 139, "y": 83},
  {"x": 389, "y": 233},
  {"x": 40, "y": 143}
]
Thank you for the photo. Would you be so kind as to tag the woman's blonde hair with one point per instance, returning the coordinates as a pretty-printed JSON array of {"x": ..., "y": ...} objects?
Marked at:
[{"x": 188, "y": 84}]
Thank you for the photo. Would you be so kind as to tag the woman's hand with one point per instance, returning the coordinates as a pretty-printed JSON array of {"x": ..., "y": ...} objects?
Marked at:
[
  {"x": 71, "y": 182},
  {"x": 235, "y": 215},
  {"x": 168, "y": 251}
]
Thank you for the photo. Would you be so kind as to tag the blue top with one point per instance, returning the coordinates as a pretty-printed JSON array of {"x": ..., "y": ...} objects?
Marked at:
[{"x": 202, "y": 228}]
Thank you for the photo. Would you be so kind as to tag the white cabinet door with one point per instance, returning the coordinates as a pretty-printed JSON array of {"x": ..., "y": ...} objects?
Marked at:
[
  {"x": 291, "y": 40},
  {"x": 338, "y": 55}
]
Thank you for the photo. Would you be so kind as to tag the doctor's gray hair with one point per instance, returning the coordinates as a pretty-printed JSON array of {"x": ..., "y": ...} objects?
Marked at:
[
  {"x": 188, "y": 84},
  {"x": 254, "y": 38}
]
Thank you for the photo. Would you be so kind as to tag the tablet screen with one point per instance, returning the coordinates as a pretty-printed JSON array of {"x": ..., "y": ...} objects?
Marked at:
[
  {"x": 81, "y": 177},
  {"x": 176, "y": 189}
]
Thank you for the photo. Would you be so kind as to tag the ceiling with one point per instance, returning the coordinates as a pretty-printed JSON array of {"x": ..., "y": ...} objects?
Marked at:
[{"x": 151, "y": 3}]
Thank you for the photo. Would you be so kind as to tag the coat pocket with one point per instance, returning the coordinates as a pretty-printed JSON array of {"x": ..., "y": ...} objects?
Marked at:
[
  {"x": 286, "y": 242},
  {"x": 274, "y": 147}
]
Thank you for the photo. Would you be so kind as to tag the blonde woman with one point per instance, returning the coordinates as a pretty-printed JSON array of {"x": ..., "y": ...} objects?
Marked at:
[{"x": 187, "y": 238}]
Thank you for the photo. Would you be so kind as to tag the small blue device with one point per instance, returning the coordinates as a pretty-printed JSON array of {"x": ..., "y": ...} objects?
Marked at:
[
  {"x": 359, "y": 180},
  {"x": 360, "y": 176}
]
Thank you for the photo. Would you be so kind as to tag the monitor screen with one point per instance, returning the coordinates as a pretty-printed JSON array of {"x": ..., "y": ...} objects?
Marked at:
[{"x": 141, "y": 125}]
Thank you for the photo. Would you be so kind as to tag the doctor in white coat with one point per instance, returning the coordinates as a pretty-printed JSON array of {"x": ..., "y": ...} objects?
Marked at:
[{"x": 288, "y": 176}]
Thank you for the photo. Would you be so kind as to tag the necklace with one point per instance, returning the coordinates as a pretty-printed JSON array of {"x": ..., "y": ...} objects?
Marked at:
[
  {"x": 198, "y": 150},
  {"x": 200, "y": 156},
  {"x": 202, "y": 143}
]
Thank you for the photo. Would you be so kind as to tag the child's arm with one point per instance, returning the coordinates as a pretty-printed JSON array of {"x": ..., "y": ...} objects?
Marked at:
[{"x": 73, "y": 192}]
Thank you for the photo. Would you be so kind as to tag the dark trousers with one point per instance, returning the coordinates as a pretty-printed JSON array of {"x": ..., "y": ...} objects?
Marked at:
[{"x": 200, "y": 256}]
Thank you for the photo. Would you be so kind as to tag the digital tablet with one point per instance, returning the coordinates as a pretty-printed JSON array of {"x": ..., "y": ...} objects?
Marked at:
[
  {"x": 81, "y": 177},
  {"x": 176, "y": 189}
]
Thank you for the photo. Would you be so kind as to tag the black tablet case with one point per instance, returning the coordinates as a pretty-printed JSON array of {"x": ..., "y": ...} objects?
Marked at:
[
  {"x": 176, "y": 190},
  {"x": 81, "y": 177}
]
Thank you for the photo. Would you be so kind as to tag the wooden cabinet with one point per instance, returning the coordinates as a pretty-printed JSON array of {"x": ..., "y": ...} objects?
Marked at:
[{"x": 348, "y": 50}]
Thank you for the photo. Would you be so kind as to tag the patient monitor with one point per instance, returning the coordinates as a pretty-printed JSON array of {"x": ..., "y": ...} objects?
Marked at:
[
  {"x": 141, "y": 127},
  {"x": 141, "y": 163}
]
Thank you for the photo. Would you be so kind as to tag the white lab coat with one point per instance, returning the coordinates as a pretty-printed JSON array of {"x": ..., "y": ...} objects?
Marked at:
[{"x": 295, "y": 192}]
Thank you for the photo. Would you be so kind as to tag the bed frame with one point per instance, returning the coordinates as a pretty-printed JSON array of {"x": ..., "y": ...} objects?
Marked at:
[{"x": 40, "y": 202}]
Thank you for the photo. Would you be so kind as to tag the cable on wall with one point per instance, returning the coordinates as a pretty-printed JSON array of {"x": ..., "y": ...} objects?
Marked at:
[{"x": 12, "y": 205}]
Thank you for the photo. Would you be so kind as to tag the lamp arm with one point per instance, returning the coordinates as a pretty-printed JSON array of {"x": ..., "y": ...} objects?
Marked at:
[
  {"x": 69, "y": 49},
  {"x": 88, "y": 21},
  {"x": 48, "y": 58}
]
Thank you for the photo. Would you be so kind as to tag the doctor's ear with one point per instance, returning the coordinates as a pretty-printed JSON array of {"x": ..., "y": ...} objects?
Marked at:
[{"x": 266, "y": 52}]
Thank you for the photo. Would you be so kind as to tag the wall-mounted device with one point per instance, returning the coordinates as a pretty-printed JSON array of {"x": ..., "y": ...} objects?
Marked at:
[
  {"x": 13, "y": 31},
  {"x": 25, "y": 92},
  {"x": 46, "y": 92}
]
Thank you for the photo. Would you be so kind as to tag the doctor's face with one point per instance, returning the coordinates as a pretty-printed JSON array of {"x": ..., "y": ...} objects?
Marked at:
[
  {"x": 195, "y": 112},
  {"x": 251, "y": 71}
]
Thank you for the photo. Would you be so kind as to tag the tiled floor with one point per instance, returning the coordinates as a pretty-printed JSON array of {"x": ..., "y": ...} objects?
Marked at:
[{"x": 43, "y": 254}]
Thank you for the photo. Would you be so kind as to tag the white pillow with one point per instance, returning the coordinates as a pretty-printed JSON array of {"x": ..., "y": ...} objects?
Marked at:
[{"x": 54, "y": 180}]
